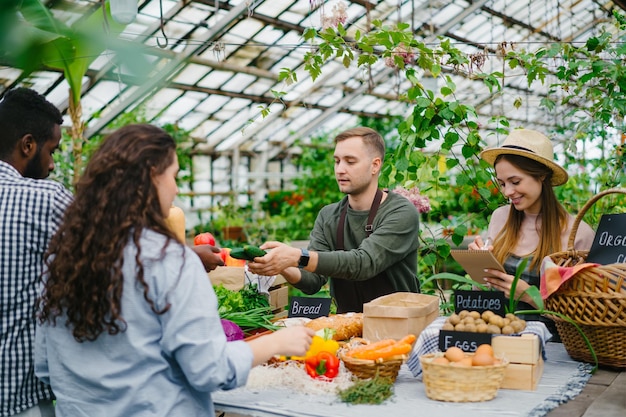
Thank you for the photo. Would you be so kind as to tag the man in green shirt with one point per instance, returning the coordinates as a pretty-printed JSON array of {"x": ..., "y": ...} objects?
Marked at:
[{"x": 366, "y": 243}]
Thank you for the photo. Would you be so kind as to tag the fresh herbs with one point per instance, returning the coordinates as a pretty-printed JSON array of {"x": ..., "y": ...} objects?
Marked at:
[
  {"x": 368, "y": 391},
  {"x": 247, "y": 308},
  {"x": 247, "y": 298},
  {"x": 255, "y": 318}
]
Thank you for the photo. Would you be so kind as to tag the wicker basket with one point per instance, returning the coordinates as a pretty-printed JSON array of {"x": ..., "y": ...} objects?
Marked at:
[
  {"x": 459, "y": 383},
  {"x": 595, "y": 299},
  {"x": 366, "y": 369}
]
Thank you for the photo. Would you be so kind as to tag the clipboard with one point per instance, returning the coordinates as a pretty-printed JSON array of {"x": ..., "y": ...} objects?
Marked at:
[{"x": 474, "y": 262}]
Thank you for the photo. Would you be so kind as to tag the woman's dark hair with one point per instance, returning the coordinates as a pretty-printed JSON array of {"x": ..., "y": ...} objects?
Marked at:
[{"x": 115, "y": 201}]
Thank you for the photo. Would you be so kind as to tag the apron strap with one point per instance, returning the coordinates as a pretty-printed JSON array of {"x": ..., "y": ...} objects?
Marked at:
[{"x": 369, "y": 228}]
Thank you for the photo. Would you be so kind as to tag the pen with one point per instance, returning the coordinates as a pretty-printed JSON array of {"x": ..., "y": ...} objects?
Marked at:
[{"x": 486, "y": 245}]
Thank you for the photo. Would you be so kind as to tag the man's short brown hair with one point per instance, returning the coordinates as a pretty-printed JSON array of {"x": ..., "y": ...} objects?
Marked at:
[{"x": 371, "y": 138}]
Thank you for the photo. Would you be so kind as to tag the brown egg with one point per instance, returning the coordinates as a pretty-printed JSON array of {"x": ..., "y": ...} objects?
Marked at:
[
  {"x": 465, "y": 362},
  {"x": 482, "y": 359},
  {"x": 441, "y": 361},
  {"x": 454, "y": 354},
  {"x": 485, "y": 348}
]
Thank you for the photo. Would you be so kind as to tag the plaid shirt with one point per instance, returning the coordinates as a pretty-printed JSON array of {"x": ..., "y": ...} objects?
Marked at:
[{"x": 30, "y": 213}]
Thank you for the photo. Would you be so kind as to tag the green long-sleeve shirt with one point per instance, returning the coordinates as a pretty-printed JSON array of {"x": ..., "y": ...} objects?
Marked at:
[{"x": 368, "y": 267}]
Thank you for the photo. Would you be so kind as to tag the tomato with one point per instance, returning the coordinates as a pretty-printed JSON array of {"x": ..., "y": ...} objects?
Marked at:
[
  {"x": 224, "y": 254},
  {"x": 204, "y": 239}
]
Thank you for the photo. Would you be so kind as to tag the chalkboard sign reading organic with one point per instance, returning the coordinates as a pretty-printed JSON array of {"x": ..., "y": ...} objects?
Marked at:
[
  {"x": 609, "y": 244},
  {"x": 311, "y": 307},
  {"x": 479, "y": 301}
]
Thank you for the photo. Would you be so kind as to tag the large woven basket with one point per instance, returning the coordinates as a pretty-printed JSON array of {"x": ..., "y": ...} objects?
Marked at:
[
  {"x": 445, "y": 382},
  {"x": 595, "y": 299},
  {"x": 366, "y": 368}
]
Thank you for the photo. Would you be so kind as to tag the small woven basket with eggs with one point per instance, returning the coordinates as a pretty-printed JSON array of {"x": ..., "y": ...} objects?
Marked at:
[{"x": 456, "y": 376}]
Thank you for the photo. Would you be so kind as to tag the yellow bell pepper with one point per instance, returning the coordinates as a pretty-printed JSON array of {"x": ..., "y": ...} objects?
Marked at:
[{"x": 320, "y": 343}]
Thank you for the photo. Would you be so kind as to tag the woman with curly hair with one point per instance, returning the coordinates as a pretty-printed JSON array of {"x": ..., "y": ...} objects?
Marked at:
[{"x": 128, "y": 318}]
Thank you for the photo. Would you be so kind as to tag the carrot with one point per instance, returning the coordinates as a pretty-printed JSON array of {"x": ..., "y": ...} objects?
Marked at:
[
  {"x": 385, "y": 352},
  {"x": 372, "y": 346},
  {"x": 408, "y": 339}
]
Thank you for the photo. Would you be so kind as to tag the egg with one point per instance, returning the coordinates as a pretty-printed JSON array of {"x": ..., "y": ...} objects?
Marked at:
[
  {"x": 484, "y": 348},
  {"x": 482, "y": 359},
  {"x": 454, "y": 354},
  {"x": 465, "y": 362},
  {"x": 441, "y": 361}
]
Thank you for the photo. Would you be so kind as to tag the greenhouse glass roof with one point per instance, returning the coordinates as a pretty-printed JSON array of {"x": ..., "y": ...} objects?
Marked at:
[{"x": 214, "y": 65}]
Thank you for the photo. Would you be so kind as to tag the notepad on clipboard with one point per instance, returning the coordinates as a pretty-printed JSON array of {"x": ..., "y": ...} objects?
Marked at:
[{"x": 474, "y": 262}]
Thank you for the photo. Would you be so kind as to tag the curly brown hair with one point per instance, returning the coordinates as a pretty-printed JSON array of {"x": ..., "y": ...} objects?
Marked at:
[{"x": 115, "y": 201}]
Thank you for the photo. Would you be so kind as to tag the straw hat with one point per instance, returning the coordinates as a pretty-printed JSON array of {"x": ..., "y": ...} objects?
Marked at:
[{"x": 530, "y": 144}]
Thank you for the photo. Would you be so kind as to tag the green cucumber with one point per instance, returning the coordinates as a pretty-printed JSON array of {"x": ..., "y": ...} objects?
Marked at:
[
  {"x": 238, "y": 253},
  {"x": 248, "y": 252},
  {"x": 254, "y": 251}
]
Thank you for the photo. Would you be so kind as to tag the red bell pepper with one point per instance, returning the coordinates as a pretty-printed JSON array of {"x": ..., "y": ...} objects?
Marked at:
[{"x": 324, "y": 365}]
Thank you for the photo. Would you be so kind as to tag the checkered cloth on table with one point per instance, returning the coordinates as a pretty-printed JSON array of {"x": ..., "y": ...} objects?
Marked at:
[{"x": 428, "y": 341}]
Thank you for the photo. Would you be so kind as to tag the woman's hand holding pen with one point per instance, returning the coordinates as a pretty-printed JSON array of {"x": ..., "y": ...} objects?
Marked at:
[{"x": 479, "y": 244}]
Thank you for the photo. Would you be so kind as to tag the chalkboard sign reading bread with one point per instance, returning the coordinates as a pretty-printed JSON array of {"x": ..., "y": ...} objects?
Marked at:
[
  {"x": 474, "y": 262},
  {"x": 609, "y": 244}
]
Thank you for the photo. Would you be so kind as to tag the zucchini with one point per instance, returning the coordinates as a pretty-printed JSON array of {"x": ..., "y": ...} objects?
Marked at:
[
  {"x": 248, "y": 252},
  {"x": 254, "y": 251},
  {"x": 238, "y": 253}
]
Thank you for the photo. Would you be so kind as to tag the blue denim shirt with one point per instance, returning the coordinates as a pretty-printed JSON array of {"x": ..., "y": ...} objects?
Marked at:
[{"x": 161, "y": 365}]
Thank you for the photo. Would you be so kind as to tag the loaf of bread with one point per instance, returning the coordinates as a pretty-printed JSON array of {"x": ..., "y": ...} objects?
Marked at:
[{"x": 346, "y": 325}]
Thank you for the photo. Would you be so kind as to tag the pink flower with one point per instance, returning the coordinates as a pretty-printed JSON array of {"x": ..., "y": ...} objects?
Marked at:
[
  {"x": 339, "y": 15},
  {"x": 421, "y": 203},
  {"x": 408, "y": 57}
]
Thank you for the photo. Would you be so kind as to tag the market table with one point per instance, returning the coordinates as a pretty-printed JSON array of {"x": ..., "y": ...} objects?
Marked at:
[{"x": 562, "y": 380}]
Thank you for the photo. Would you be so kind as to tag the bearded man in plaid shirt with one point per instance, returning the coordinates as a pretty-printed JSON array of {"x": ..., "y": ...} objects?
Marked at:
[{"x": 31, "y": 209}]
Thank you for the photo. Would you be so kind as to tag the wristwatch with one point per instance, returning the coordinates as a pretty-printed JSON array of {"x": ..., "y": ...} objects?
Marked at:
[{"x": 304, "y": 259}]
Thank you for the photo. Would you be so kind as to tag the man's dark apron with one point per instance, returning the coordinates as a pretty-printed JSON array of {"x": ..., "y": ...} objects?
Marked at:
[{"x": 352, "y": 294}]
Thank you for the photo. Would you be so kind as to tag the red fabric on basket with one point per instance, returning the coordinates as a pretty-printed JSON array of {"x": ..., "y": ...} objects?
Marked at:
[{"x": 553, "y": 276}]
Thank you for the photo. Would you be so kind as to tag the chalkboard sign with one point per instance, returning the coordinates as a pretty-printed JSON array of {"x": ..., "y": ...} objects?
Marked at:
[
  {"x": 609, "y": 245},
  {"x": 311, "y": 307},
  {"x": 480, "y": 301},
  {"x": 466, "y": 341}
]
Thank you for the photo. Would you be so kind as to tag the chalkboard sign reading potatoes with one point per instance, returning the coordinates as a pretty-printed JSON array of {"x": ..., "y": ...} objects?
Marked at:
[
  {"x": 609, "y": 244},
  {"x": 480, "y": 301},
  {"x": 311, "y": 307}
]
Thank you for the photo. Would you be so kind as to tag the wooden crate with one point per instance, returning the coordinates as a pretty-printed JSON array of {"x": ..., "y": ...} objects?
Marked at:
[
  {"x": 279, "y": 297},
  {"x": 518, "y": 349},
  {"x": 522, "y": 376},
  {"x": 525, "y": 362}
]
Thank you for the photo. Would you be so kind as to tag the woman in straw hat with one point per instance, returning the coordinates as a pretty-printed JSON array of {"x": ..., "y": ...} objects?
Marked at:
[{"x": 534, "y": 224}]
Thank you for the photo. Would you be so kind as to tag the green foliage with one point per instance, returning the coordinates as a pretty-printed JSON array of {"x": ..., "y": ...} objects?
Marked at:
[
  {"x": 247, "y": 298},
  {"x": 587, "y": 97},
  {"x": 32, "y": 38},
  {"x": 64, "y": 159}
]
